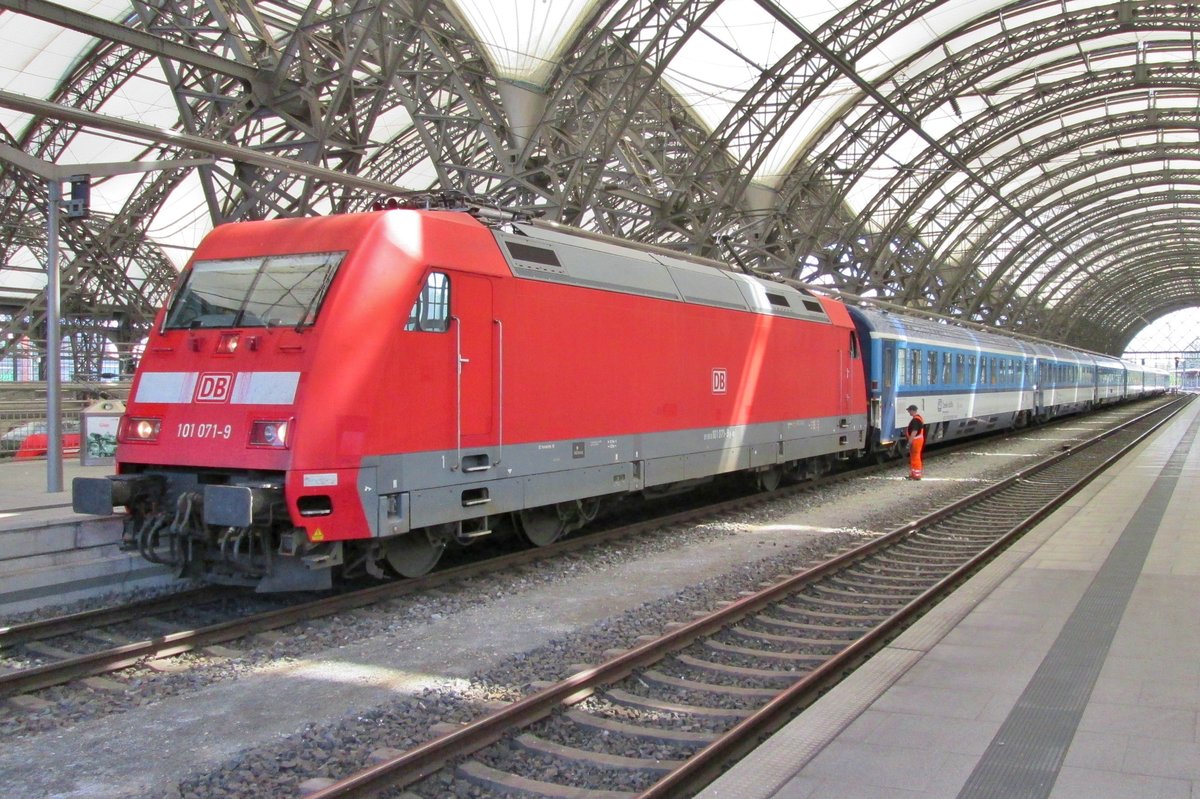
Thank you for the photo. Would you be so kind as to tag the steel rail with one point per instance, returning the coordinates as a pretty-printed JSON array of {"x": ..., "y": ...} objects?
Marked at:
[
  {"x": 425, "y": 759},
  {"x": 90, "y": 619},
  {"x": 50, "y": 674},
  {"x": 707, "y": 763}
]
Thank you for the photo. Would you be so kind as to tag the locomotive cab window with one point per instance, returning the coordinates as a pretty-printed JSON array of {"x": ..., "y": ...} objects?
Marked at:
[
  {"x": 431, "y": 312},
  {"x": 263, "y": 291}
]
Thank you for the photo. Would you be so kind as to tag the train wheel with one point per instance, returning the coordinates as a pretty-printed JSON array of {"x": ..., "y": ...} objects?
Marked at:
[
  {"x": 542, "y": 526},
  {"x": 416, "y": 553},
  {"x": 769, "y": 479}
]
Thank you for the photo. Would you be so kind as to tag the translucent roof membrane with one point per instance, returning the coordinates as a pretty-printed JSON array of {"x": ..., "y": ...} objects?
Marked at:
[
  {"x": 739, "y": 43},
  {"x": 36, "y": 55},
  {"x": 1175, "y": 331},
  {"x": 523, "y": 39}
]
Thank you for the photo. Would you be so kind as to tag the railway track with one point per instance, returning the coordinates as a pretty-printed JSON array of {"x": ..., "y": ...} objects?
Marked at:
[
  {"x": 662, "y": 719},
  {"x": 55, "y": 651}
]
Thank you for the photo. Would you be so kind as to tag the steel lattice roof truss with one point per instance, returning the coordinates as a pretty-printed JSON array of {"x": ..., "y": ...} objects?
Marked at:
[{"x": 1031, "y": 166}]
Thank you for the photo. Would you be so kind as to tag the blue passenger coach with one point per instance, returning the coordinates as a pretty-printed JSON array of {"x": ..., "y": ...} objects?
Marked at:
[
  {"x": 967, "y": 381},
  {"x": 964, "y": 381},
  {"x": 1066, "y": 380}
]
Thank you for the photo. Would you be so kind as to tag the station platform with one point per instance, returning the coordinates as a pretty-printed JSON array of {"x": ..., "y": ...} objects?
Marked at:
[
  {"x": 1069, "y": 667},
  {"x": 50, "y": 555}
]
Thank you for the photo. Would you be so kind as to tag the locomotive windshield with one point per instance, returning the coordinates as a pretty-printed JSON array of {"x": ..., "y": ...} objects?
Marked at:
[{"x": 263, "y": 291}]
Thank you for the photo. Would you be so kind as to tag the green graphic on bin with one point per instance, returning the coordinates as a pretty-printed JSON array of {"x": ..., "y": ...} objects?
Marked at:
[{"x": 98, "y": 432}]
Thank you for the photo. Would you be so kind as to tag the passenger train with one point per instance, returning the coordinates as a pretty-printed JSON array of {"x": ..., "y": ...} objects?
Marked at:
[{"x": 356, "y": 393}]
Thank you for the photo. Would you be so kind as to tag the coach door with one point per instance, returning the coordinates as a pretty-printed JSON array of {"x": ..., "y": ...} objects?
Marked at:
[{"x": 477, "y": 344}]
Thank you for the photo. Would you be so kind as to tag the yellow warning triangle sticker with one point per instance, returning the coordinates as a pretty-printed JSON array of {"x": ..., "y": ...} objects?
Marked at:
[{"x": 317, "y": 535}]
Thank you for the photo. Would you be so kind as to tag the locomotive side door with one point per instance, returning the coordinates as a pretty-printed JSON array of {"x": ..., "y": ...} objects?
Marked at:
[
  {"x": 847, "y": 357},
  {"x": 477, "y": 395}
]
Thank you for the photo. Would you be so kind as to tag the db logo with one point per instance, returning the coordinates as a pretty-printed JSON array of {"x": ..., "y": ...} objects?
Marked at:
[
  {"x": 720, "y": 381},
  {"x": 214, "y": 387}
]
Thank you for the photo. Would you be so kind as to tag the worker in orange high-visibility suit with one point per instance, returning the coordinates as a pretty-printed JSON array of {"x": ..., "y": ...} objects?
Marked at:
[{"x": 916, "y": 443}]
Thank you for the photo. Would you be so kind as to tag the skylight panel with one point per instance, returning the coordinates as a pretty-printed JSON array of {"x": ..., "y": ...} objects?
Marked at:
[
  {"x": 863, "y": 191},
  {"x": 914, "y": 37},
  {"x": 715, "y": 68},
  {"x": 521, "y": 39},
  {"x": 35, "y": 55},
  {"x": 90, "y": 148},
  {"x": 389, "y": 124},
  {"x": 833, "y": 102},
  {"x": 146, "y": 98},
  {"x": 817, "y": 13},
  {"x": 182, "y": 221}
]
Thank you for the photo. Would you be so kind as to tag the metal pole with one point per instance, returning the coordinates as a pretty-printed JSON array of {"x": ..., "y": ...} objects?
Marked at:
[
  {"x": 54, "y": 176},
  {"x": 54, "y": 464}
]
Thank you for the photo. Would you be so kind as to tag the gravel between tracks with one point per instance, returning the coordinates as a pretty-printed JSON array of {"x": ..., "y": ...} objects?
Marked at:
[{"x": 319, "y": 699}]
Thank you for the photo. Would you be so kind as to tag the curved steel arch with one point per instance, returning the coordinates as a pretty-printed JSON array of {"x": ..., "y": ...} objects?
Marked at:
[
  {"x": 1113, "y": 253},
  {"x": 1051, "y": 150},
  {"x": 936, "y": 87},
  {"x": 1170, "y": 291},
  {"x": 965, "y": 200},
  {"x": 1083, "y": 197},
  {"x": 1079, "y": 223},
  {"x": 853, "y": 147},
  {"x": 778, "y": 99}
]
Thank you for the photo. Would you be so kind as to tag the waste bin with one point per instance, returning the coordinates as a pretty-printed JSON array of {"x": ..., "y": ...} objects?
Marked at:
[{"x": 98, "y": 432}]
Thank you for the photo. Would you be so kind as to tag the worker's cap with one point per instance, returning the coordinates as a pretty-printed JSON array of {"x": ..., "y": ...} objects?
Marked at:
[{"x": 911, "y": 408}]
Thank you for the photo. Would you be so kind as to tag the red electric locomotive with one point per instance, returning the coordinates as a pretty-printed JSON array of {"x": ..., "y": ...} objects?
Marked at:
[{"x": 361, "y": 390}]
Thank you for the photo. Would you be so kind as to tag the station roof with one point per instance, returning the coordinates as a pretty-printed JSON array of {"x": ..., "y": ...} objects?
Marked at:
[{"x": 1027, "y": 165}]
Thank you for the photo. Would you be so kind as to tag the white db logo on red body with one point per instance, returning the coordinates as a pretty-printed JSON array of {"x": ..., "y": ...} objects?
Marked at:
[
  {"x": 720, "y": 381},
  {"x": 214, "y": 387}
]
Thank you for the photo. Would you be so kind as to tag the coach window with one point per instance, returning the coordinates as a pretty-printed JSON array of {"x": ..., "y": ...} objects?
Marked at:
[
  {"x": 947, "y": 369},
  {"x": 915, "y": 372},
  {"x": 933, "y": 367},
  {"x": 431, "y": 312}
]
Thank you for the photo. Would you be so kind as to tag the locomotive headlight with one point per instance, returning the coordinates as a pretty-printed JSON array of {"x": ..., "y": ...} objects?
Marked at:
[
  {"x": 227, "y": 344},
  {"x": 143, "y": 429},
  {"x": 270, "y": 433}
]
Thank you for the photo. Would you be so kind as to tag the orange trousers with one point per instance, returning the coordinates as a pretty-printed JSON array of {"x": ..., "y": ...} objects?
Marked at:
[{"x": 915, "y": 464}]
